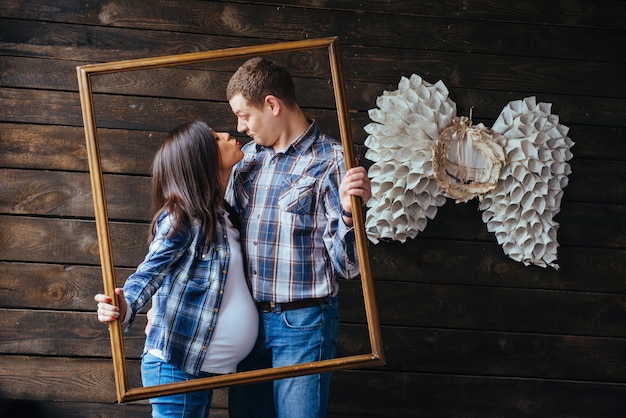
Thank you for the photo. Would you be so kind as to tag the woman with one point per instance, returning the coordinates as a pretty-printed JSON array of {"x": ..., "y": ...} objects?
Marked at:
[{"x": 204, "y": 319}]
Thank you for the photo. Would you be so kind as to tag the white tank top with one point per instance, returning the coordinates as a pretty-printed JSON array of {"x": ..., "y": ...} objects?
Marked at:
[{"x": 238, "y": 318}]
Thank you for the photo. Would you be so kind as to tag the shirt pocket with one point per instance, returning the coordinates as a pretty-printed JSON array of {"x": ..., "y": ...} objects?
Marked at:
[
  {"x": 297, "y": 194},
  {"x": 203, "y": 253}
]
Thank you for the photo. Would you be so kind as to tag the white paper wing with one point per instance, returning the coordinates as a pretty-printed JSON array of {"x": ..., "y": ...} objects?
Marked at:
[
  {"x": 520, "y": 210},
  {"x": 405, "y": 125}
]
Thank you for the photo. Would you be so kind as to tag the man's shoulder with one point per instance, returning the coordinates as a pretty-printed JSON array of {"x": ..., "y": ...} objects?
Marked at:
[{"x": 328, "y": 146}]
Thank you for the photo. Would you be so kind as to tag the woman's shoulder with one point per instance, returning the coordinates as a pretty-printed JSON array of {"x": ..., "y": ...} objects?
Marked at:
[{"x": 167, "y": 221}]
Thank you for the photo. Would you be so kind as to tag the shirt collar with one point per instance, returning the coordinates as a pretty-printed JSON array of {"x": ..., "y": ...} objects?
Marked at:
[{"x": 301, "y": 144}]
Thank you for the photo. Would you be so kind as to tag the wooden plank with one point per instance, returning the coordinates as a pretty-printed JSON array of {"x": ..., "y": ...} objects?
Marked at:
[
  {"x": 64, "y": 193},
  {"x": 593, "y": 143},
  {"x": 92, "y": 44},
  {"x": 372, "y": 393},
  {"x": 490, "y": 308},
  {"x": 603, "y": 225},
  {"x": 128, "y": 197},
  {"x": 52, "y": 286},
  {"x": 132, "y": 112},
  {"x": 407, "y": 349},
  {"x": 495, "y": 354},
  {"x": 19, "y": 408},
  {"x": 47, "y": 286},
  {"x": 57, "y": 379},
  {"x": 43, "y": 146},
  {"x": 135, "y": 113},
  {"x": 46, "y": 193},
  {"x": 24, "y": 106},
  {"x": 20, "y": 106},
  {"x": 573, "y": 110},
  {"x": 394, "y": 30},
  {"x": 200, "y": 81},
  {"x": 68, "y": 380},
  {"x": 122, "y": 151},
  {"x": 488, "y": 69},
  {"x": 34, "y": 239},
  {"x": 63, "y": 334},
  {"x": 596, "y": 181},
  {"x": 437, "y": 261},
  {"x": 571, "y": 13},
  {"x": 12, "y": 408},
  {"x": 63, "y": 148},
  {"x": 575, "y": 13},
  {"x": 69, "y": 241},
  {"x": 199, "y": 84},
  {"x": 30, "y": 239}
]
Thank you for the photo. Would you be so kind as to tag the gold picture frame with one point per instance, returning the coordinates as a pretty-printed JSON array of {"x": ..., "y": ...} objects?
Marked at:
[{"x": 126, "y": 394}]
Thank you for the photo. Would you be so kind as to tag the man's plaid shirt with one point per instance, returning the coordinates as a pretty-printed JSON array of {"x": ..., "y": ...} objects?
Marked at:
[{"x": 294, "y": 240}]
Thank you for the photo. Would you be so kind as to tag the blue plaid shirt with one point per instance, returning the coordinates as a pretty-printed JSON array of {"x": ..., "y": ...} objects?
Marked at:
[
  {"x": 294, "y": 241},
  {"x": 187, "y": 281}
]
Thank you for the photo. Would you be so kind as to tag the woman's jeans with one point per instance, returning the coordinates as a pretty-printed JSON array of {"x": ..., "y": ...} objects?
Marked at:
[
  {"x": 287, "y": 338},
  {"x": 197, "y": 404}
]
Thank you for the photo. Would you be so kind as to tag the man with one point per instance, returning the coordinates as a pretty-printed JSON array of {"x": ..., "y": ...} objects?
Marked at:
[{"x": 293, "y": 194}]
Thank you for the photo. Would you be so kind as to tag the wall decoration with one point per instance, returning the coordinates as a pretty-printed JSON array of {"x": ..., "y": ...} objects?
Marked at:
[{"x": 423, "y": 154}]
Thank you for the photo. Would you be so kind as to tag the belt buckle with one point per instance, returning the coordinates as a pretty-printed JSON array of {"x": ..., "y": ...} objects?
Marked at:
[{"x": 272, "y": 306}]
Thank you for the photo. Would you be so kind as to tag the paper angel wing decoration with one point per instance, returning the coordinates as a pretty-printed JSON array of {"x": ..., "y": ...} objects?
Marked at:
[
  {"x": 520, "y": 210},
  {"x": 423, "y": 154},
  {"x": 404, "y": 190}
]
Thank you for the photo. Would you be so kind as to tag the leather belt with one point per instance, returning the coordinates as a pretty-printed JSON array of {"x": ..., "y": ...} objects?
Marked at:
[{"x": 286, "y": 306}]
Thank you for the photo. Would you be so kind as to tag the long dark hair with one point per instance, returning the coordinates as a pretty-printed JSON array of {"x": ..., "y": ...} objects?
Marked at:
[{"x": 185, "y": 179}]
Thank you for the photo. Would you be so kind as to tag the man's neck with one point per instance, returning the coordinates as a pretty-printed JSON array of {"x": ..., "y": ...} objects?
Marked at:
[{"x": 296, "y": 125}]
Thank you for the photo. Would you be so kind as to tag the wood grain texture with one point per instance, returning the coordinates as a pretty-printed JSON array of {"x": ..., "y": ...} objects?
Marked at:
[
  {"x": 468, "y": 332},
  {"x": 425, "y": 394}
]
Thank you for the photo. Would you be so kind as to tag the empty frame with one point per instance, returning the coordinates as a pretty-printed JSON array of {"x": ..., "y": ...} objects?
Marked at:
[{"x": 126, "y": 394}]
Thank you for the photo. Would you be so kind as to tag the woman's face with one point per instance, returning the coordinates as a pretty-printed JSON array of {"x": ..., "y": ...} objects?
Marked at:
[{"x": 229, "y": 149}]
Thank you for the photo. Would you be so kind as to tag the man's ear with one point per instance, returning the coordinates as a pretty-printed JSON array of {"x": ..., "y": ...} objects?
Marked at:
[{"x": 274, "y": 103}]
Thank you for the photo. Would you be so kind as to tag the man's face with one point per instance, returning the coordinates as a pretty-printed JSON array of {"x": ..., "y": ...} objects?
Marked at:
[{"x": 255, "y": 122}]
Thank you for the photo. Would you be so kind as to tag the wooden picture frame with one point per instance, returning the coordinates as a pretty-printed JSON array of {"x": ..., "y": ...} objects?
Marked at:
[{"x": 126, "y": 394}]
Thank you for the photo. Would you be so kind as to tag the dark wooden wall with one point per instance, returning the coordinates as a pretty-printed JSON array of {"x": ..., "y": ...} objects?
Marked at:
[{"x": 467, "y": 331}]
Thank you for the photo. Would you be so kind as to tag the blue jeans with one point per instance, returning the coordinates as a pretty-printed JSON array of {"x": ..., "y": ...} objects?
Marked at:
[
  {"x": 155, "y": 371},
  {"x": 288, "y": 338}
]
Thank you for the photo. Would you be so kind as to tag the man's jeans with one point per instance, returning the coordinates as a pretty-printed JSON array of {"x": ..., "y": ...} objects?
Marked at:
[
  {"x": 155, "y": 371},
  {"x": 287, "y": 338}
]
